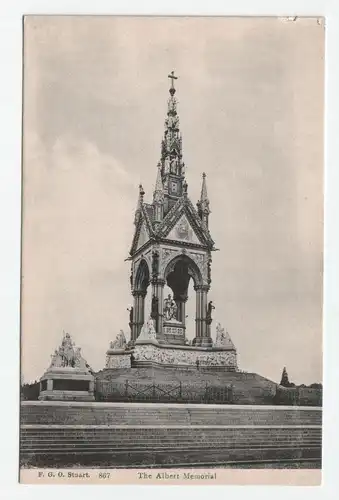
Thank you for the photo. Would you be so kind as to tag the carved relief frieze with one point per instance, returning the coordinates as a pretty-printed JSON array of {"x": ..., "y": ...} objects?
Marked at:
[
  {"x": 118, "y": 361},
  {"x": 167, "y": 254},
  {"x": 160, "y": 355},
  {"x": 201, "y": 260}
]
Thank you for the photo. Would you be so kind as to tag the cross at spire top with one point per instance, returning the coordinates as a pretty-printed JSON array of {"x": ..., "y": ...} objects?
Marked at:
[{"x": 172, "y": 77}]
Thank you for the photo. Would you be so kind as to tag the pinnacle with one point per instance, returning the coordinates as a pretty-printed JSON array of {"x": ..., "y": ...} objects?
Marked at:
[
  {"x": 158, "y": 184},
  {"x": 203, "y": 196}
]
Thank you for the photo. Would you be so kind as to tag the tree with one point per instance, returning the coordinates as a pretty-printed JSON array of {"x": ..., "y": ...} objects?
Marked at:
[
  {"x": 30, "y": 391},
  {"x": 284, "y": 378},
  {"x": 316, "y": 386}
]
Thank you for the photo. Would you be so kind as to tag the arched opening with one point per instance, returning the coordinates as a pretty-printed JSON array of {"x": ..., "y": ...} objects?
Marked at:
[
  {"x": 142, "y": 278},
  {"x": 190, "y": 312},
  {"x": 181, "y": 275},
  {"x": 142, "y": 281}
]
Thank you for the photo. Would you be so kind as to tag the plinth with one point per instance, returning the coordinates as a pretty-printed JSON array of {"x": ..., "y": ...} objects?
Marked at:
[{"x": 68, "y": 377}]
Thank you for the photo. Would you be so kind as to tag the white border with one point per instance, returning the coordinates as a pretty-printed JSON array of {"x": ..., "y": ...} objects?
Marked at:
[{"x": 11, "y": 12}]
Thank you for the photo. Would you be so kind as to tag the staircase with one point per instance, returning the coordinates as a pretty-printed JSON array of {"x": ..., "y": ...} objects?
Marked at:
[{"x": 136, "y": 435}]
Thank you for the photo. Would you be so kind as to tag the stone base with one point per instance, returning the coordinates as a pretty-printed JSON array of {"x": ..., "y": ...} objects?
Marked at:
[
  {"x": 118, "y": 359},
  {"x": 202, "y": 342},
  {"x": 152, "y": 353},
  {"x": 67, "y": 384},
  {"x": 174, "y": 333},
  {"x": 66, "y": 396}
]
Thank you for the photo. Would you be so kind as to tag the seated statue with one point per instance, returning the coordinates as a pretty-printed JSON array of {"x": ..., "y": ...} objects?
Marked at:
[{"x": 119, "y": 342}]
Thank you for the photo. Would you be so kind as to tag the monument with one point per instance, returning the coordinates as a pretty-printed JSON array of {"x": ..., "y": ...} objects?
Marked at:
[
  {"x": 172, "y": 245},
  {"x": 68, "y": 377}
]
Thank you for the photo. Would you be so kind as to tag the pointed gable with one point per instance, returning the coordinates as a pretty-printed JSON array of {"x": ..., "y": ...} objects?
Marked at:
[
  {"x": 143, "y": 236},
  {"x": 183, "y": 231},
  {"x": 182, "y": 223}
]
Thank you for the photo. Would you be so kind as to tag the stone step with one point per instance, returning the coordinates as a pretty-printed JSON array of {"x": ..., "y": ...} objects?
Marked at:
[
  {"x": 161, "y": 430},
  {"x": 129, "y": 456},
  {"x": 163, "y": 457},
  {"x": 160, "y": 445},
  {"x": 144, "y": 416},
  {"x": 184, "y": 445},
  {"x": 209, "y": 439},
  {"x": 173, "y": 437}
]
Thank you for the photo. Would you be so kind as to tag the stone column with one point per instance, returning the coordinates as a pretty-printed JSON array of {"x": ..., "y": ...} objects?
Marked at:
[
  {"x": 198, "y": 318},
  {"x": 158, "y": 291},
  {"x": 202, "y": 337},
  {"x": 141, "y": 319},
  {"x": 180, "y": 311},
  {"x": 138, "y": 313},
  {"x": 180, "y": 301},
  {"x": 135, "y": 317},
  {"x": 50, "y": 384},
  {"x": 206, "y": 340}
]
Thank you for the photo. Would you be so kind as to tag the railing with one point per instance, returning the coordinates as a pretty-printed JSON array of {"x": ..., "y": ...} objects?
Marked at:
[{"x": 153, "y": 393}]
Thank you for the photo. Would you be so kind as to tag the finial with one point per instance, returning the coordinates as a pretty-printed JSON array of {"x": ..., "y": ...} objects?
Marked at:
[
  {"x": 203, "y": 175},
  {"x": 172, "y": 77},
  {"x": 141, "y": 191}
]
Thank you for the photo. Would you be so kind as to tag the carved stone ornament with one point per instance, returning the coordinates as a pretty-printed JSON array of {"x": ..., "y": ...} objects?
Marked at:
[
  {"x": 118, "y": 361},
  {"x": 199, "y": 259},
  {"x": 147, "y": 331},
  {"x": 170, "y": 308},
  {"x": 167, "y": 356},
  {"x": 182, "y": 229},
  {"x": 68, "y": 355},
  {"x": 167, "y": 255},
  {"x": 119, "y": 343},
  {"x": 222, "y": 338}
]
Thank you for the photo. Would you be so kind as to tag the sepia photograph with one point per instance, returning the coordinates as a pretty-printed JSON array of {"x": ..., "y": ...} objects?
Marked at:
[{"x": 172, "y": 248}]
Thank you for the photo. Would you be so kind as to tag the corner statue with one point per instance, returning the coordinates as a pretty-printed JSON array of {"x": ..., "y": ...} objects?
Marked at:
[
  {"x": 147, "y": 332},
  {"x": 223, "y": 338},
  {"x": 220, "y": 337},
  {"x": 119, "y": 342},
  {"x": 210, "y": 308},
  {"x": 154, "y": 307}
]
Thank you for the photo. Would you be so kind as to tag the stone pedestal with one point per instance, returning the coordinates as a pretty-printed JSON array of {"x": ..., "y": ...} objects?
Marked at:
[
  {"x": 118, "y": 359},
  {"x": 66, "y": 384},
  {"x": 68, "y": 378},
  {"x": 174, "y": 332}
]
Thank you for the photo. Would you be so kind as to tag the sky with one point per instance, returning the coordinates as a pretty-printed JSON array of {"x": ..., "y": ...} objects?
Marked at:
[{"x": 250, "y": 95}]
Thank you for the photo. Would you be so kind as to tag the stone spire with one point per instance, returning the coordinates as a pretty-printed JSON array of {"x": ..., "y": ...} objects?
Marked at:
[
  {"x": 140, "y": 202},
  {"x": 204, "y": 203},
  {"x": 158, "y": 197},
  {"x": 172, "y": 167}
]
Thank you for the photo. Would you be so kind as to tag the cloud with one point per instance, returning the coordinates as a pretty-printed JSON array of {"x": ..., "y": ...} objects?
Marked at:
[{"x": 78, "y": 213}]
